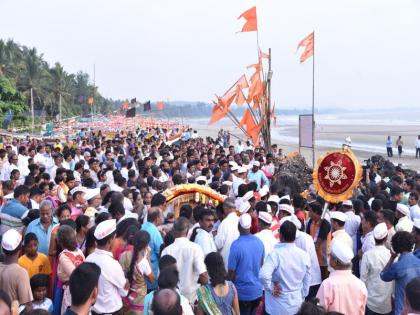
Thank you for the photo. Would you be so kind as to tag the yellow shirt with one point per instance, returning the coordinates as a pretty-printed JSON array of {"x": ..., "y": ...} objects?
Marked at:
[{"x": 40, "y": 264}]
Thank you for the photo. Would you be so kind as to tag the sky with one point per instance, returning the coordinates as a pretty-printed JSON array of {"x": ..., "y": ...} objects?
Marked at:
[{"x": 367, "y": 52}]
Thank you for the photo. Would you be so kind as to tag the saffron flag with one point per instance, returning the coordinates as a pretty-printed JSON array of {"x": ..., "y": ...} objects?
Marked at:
[
  {"x": 308, "y": 44},
  {"x": 251, "y": 20},
  {"x": 247, "y": 119},
  {"x": 124, "y": 105},
  {"x": 147, "y": 106},
  {"x": 160, "y": 105},
  {"x": 221, "y": 108}
]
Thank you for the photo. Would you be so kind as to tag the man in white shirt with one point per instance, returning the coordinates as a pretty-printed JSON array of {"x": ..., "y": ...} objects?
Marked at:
[
  {"x": 228, "y": 229},
  {"x": 9, "y": 166},
  {"x": 369, "y": 221},
  {"x": 112, "y": 282},
  {"x": 239, "y": 180},
  {"x": 23, "y": 161},
  {"x": 189, "y": 259},
  {"x": 352, "y": 222},
  {"x": 204, "y": 237},
  {"x": 373, "y": 262},
  {"x": 265, "y": 235},
  {"x": 239, "y": 147},
  {"x": 413, "y": 200},
  {"x": 338, "y": 221}
]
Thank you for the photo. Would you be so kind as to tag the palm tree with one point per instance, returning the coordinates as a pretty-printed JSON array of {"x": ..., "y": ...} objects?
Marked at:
[
  {"x": 33, "y": 77},
  {"x": 61, "y": 84}
]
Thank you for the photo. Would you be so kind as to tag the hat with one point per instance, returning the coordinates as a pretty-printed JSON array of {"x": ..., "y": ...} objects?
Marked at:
[
  {"x": 338, "y": 215},
  {"x": 105, "y": 228},
  {"x": 242, "y": 170},
  {"x": 263, "y": 191},
  {"x": 287, "y": 208},
  {"x": 342, "y": 252},
  {"x": 201, "y": 179},
  {"x": 294, "y": 220},
  {"x": 265, "y": 216},
  {"x": 90, "y": 193},
  {"x": 380, "y": 231},
  {"x": 11, "y": 240},
  {"x": 403, "y": 209},
  {"x": 77, "y": 189},
  {"x": 417, "y": 223},
  {"x": 273, "y": 198},
  {"x": 227, "y": 183},
  {"x": 256, "y": 163},
  {"x": 348, "y": 203},
  {"x": 287, "y": 197},
  {"x": 245, "y": 221},
  {"x": 248, "y": 196},
  {"x": 233, "y": 164},
  {"x": 234, "y": 168},
  {"x": 9, "y": 196},
  {"x": 244, "y": 207}
]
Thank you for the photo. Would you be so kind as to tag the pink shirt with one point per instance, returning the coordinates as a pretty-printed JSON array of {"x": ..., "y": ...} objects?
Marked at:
[{"x": 343, "y": 292}]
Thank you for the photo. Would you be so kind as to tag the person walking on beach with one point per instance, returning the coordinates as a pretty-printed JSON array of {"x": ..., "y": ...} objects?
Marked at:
[
  {"x": 399, "y": 145},
  {"x": 389, "y": 146},
  {"x": 418, "y": 147}
]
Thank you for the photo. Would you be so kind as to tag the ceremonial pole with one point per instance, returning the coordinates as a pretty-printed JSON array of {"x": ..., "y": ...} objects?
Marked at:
[{"x": 313, "y": 105}]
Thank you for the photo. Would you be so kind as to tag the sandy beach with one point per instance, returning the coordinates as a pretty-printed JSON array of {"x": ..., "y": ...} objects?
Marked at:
[{"x": 367, "y": 138}]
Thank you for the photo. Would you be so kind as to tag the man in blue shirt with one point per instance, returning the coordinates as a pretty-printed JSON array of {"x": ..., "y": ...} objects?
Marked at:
[
  {"x": 14, "y": 210},
  {"x": 245, "y": 259},
  {"x": 154, "y": 219},
  {"x": 256, "y": 175},
  {"x": 43, "y": 226},
  {"x": 404, "y": 270}
]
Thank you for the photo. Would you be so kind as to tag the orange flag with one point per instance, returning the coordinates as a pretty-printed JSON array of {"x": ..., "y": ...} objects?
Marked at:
[
  {"x": 252, "y": 129},
  {"x": 247, "y": 119},
  {"x": 308, "y": 44},
  {"x": 242, "y": 82},
  {"x": 251, "y": 20},
  {"x": 256, "y": 89},
  {"x": 160, "y": 105},
  {"x": 124, "y": 105},
  {"x": 240, "y": 97},
  {"x": 221, "y": 108}
]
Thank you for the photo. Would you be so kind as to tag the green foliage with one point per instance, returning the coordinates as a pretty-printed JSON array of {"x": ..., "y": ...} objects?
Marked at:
[{"x": 23, "y": 69}]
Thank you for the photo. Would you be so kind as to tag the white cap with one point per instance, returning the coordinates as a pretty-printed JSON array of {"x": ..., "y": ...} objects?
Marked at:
[
  {"x": 403, "y": 209},
  {"x": 285, "y": 197},
  {"x": 380, "y": 231},
  {"x": 127, "y": 204},
  {"x": 348, "y": 203},
  {"x": 227, "y": 183},
  {"x": 244, "y": 207},
  {"x": 242, "y": 170},
  {"x": 11, "y": 240},
  {"x": 256, "y": 163},
  {"x": 338, "y": 215},
  {"x": 263, "y": 191},
  {"x": 245, "y": 221},
  {"x": 105, "y": 228},
  {"x": 287, "y": 208},
  {"x": 294, "y": 220},
  {"x": 9, "y": 196},
  {"x": 234, "y": 168},
  {"x": 233, "y": 164},
  {"x": 201, "y": 178},
  {"x": 342, "y": 252},
  {"x": 417, "y": 223},
  {"x": 78, "y": 188},
  {"x": 249, "y": 195},
  {"x": 90, "y": 193},
  {"x": 265, "y": 216},
  {"x": 273, "y": 198}
]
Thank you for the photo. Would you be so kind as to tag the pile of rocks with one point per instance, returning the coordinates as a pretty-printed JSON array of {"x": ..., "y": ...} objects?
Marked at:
[{"x": 293, "y": 172}]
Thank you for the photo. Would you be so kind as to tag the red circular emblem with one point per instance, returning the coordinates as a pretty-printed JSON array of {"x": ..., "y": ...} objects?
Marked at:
[{"x": 336, "y": 175}]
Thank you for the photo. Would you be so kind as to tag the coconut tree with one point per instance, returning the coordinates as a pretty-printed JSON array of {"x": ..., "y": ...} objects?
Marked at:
[
  {"x": 33, "y": 77},
  {"x": 61, "y": 84}
]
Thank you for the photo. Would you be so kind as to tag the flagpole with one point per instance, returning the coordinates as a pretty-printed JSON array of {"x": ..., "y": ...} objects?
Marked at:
[{"x": 313, "y": 106}]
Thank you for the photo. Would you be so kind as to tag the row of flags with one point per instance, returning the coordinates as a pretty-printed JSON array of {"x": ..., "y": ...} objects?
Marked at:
[{"x": 147, "y": 107}]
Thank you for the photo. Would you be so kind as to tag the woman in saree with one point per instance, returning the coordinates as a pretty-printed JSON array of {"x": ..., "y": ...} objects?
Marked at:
[{"x": 219, "y": 297}]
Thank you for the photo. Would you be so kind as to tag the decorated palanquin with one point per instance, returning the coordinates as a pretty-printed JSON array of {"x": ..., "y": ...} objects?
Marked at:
[
  {"x": 338, "y": 173},
  {"x": 192, "y": 194}
]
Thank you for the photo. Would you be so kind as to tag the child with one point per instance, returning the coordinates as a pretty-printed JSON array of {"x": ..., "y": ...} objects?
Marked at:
[
  {"x": 33, "y": 261},
  {"x": 39, "y": 286}
]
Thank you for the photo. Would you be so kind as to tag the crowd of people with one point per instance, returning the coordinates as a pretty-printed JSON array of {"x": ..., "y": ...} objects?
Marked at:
[{"x": 86, "y": 229}]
